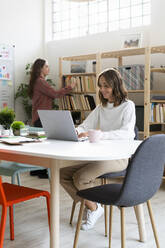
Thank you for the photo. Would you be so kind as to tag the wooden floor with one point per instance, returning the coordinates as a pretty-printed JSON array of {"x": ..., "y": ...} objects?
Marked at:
[{"x": 31, "y": 228}]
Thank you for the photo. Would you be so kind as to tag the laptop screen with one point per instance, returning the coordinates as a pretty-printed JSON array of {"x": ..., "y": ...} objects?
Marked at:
[{"x": 58, "y": 124}]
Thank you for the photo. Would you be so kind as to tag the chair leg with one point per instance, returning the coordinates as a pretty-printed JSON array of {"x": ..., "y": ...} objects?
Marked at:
[
  {"x": 72, "y": 212},
  {"x": 11, "y": 214},
  {"x": 48, "y": 209},
  {"x": 18, "y": 179},
  {"x": 105, "y": 211},
  {"x": 2, "y": 225},
  {"x": 141, "y": 223},
  {"x": 105, "y": 218},
  {"x": 79, "y": 224},
  {"x": 49, "y": 176},
  {"x": 13, "y": 179},
  {"x": 153, "y": 223},
  {"x": 122, "y": 227},
  {"x": 110, "y": 224}
]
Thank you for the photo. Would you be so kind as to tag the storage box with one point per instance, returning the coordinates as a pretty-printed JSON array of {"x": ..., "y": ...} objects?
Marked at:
[{"x": 133, "y": 76}]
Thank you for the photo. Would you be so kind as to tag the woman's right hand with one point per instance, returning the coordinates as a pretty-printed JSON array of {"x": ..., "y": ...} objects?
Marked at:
[
  {"x": 85, "y": 134},
  {"x": 73, "y": 85}
]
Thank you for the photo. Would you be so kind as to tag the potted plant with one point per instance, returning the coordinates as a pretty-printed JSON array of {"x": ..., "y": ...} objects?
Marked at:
[
  {"x": 7, "y": 116},
  {"x": 16, "y": 127}
]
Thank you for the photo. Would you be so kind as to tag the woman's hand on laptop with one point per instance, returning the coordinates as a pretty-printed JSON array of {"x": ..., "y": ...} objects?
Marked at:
[{"x": 85, "y": 134}]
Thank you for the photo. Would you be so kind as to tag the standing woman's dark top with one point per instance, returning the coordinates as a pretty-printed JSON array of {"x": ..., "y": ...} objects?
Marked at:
[{"x": 41, "y": 92}]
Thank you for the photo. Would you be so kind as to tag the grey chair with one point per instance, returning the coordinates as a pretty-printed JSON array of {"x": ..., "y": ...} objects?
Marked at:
[{"x": 141, "y": 182}]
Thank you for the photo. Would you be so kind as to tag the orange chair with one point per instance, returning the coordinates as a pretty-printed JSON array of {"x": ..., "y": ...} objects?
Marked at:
[{"x": 11, "y": 194}]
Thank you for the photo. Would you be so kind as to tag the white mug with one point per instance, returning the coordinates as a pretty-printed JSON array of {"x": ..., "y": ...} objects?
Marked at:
[{"x": 94, "y": 135}]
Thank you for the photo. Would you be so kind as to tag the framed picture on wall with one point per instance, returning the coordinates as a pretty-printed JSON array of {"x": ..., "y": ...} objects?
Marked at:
[{"x": 131, "y": 40}]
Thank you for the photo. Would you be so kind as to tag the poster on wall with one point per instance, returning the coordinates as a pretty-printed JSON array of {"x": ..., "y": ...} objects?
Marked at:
[
  {"x": 5, "y": 51},
  {"x": 6, "y": 76},
  {"x": 5, "y": 70}
]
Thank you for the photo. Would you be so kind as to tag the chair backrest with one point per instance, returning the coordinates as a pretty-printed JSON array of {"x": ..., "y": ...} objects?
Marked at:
[
  {"x": 144, "y": 172},
  {"x": 2, "y": 194},
  {"x": 136, "y": 130}
]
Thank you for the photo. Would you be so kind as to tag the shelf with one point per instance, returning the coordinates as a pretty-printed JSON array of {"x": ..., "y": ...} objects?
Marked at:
[
  {"x": 135, "y": 91},
  {"x": 157, "y": 91},
  {"x": 158, "y": 101},
  {"x": 132, "y": 52},
  {"x": 80, "y": 74},
  {"x": 156, "y": 132},
  {"x": 83, "y": 92},
  {"x": 157, "y": 123},
  {"x": 80, "y": 57},
  {"x": 162, "y": 70}
]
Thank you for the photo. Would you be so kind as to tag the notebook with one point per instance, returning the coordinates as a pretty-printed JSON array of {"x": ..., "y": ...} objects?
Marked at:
[
  {"x": 17, "y": 140},
  {"x": 58, "y": 124}
]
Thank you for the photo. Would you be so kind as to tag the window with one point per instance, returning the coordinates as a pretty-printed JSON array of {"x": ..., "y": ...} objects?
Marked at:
[{"x": 80, "y": 18}]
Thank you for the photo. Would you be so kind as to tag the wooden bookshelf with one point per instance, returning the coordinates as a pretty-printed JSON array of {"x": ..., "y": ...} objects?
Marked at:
[
  {"x": 119, "y": 55},
  {"x": 86, "y": 85}
]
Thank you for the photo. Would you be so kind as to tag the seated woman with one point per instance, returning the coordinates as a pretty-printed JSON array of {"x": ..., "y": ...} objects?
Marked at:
[{"x": 115, "y": 117}]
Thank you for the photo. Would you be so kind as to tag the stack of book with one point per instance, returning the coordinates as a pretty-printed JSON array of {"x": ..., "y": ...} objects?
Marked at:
[
  {"x": 36, "y": 134},
  {"x": 78, "y": 102},
  {"x": 157, "y": 113},
  {"x": 83, "y": 83}
]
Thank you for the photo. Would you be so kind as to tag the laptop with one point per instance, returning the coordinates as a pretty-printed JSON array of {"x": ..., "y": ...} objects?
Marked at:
[{"x": 58, "y": 124}]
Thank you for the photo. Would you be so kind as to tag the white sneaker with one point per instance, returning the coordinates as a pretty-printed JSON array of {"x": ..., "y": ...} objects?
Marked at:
[{"x": 92, "y": 217}]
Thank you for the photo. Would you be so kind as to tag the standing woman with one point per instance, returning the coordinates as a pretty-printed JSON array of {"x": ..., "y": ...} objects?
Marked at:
[
  {"x": 42, "y": 95},
  {"x": 41, "y": 92},
  {"x": 115, "y": 117}
]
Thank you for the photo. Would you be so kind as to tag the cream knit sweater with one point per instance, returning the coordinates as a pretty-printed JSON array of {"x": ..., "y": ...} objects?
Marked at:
[{"x": 114, "y": 122}]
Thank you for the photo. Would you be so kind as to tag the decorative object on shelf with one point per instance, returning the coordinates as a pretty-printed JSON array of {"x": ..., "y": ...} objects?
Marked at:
[
  {"x": 16, "y": 127},
  {"x": 78, "y": 66},
  {"x": 133, "y": 76},
  {"x": 131, "y": 40},
  {"x": 94, "y": 66},
  {"x": 6, "y": 118}
]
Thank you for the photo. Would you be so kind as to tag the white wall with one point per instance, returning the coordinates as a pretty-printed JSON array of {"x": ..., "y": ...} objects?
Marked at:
[
  {"x": 152, "y": 35},
  {"x": 22, "y": 25}
]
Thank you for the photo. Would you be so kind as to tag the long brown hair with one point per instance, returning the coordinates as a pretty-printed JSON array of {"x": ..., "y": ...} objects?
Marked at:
[
  {"x": 35, "y": 73},
  {"x": 114, "y": 80}
]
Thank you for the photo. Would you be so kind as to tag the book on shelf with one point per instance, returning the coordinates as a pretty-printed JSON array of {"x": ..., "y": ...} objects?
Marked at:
[
  {"x": 84, "y": 83},
  {"x": 91, "y": 101},
  {"x": 157, "y": 113},
  {"x": 158, "y": 98},
  {"x": 78, "y": 102}
]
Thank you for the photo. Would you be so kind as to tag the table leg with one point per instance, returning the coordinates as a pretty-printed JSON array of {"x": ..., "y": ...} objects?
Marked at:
[
  {"x": 54, "y": 206},
  {"x": 141, "y": 222}
]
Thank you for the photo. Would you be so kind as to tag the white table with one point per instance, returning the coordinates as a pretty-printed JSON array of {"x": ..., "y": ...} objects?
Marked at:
[{"x": 51, "y": 153}]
